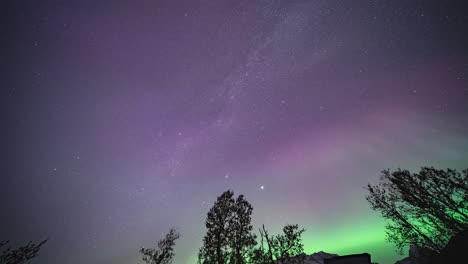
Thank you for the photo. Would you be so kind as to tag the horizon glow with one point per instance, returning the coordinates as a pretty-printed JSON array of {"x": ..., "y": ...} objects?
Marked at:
[{"x": 125, "y": 119}]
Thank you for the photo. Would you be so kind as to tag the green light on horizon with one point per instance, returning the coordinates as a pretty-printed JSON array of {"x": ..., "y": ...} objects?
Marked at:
[
  {"x": 342, "y": 243},
  {"x": 347, "y": 240},
  {"x": 350, "y": 239}
]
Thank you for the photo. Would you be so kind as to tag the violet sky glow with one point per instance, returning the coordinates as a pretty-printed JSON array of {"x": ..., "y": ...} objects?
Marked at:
[{"x": 126, "y": 118}]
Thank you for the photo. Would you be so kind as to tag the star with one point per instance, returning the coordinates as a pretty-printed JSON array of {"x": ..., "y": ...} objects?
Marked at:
[{"x": 149, "y": 129}]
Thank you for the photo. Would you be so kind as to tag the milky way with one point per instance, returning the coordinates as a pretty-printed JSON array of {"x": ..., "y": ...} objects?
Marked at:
[{"x": 127, "y": 118}]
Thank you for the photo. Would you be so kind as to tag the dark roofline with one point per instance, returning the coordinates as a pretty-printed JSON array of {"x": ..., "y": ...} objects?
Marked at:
[{"x": 350, "y": 256}]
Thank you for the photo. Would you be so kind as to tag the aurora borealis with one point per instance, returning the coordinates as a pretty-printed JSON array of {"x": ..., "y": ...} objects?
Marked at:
[{"x": 127, "y": 118}]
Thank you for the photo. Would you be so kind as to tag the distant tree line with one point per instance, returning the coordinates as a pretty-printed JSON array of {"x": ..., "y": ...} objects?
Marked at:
[
  {"x": 426, "y": 209},
  {"x": 229, "y": 238}
]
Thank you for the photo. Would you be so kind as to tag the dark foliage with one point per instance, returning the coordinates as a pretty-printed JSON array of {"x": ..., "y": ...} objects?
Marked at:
[
  {"x": 229, "y": 237},
  {"x": 454, "y": 251},
  {"x": 263, "y": 254},
  {"x": 289, "y": 244},
  {"x": 282, "y": 248},
  {"x": 164, "y": 252},
  {"x": 424, "y": 209},
  {"x": 216, "y": 240},
  {"x": 19, "y": 255},
  {"x": 242, "y": 240}
]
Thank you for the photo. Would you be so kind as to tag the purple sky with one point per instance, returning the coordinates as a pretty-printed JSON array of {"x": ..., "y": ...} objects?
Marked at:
[{"x": 126, "y": 118}]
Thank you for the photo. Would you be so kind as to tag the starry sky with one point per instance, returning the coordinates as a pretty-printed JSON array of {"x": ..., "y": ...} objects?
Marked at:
[{"x": 123, "y": 119}]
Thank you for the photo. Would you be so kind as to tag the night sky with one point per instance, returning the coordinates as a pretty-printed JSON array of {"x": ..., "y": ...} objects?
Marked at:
[{"x": 126, "y": 118}]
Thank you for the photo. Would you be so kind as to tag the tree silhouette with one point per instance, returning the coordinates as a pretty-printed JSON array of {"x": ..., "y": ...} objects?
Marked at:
[
  {"x": 229, "y": 237},
  {"x": 164, "y": 252},
  {"x": 263, "y": 254},
  {"x": 20, "y": 255},
  {"x": 289, "y": 244},
  {"x": 282, "y": 248},
  {"x": 216, "y": 240},
  {"x": 241, "y": 237},
  {"x": 425, "y": 209}
]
